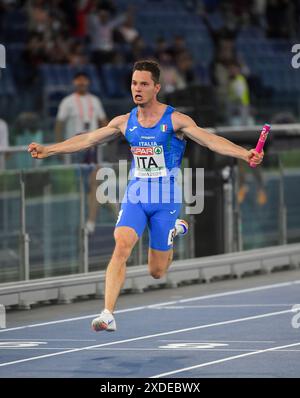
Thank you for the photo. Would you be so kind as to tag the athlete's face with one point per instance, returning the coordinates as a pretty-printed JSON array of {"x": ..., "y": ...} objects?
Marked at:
[{"x": 143, "y": 87}]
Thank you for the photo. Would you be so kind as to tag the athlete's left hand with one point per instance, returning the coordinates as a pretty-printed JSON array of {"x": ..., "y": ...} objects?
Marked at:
[{"x": 255, "y": 157}]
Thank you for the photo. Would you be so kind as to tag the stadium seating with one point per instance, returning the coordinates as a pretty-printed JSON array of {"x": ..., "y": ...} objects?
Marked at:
[
  {"x": 269, "y": 60},
  {"x": 116, "y": 80}
]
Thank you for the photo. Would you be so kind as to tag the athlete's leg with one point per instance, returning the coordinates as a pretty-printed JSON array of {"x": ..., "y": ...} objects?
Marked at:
[
  {"x": 162, "y": 230},
  {"x": 125, "y": 239},
  {"x": 159, "y": 262},
  {"x": 129, "y": 227}
]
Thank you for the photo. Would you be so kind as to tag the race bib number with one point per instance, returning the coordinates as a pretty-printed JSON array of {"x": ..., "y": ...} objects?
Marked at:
[{"x": 149, "y": 161}]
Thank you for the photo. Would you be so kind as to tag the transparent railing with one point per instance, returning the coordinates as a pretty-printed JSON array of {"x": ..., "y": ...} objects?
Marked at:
[
  {"x": 10, "y": 227},
  {"x": 44, "y": 209},
  {"x": 290, "y": 165},
  {"x": 43, "y": 214},
  {"x": 52, "y": 204},
  {"x": 267, "y": 201}
]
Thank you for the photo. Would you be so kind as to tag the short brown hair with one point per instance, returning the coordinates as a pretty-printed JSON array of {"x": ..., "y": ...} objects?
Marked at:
[{"x": 149, "y": 66}]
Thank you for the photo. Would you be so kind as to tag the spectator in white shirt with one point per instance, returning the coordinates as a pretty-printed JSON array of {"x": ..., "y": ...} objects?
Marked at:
[{"x": 78, "y": 113}]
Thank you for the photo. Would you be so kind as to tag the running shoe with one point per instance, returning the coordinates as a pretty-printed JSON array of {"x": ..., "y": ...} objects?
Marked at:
[{"x": 105, "y": 321}]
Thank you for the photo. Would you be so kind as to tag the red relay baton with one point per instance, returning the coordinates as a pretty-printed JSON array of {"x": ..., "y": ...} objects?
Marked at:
[{"x": 261, "y": 141}]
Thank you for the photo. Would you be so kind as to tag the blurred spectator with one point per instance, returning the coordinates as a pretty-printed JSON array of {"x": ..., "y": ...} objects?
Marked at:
[
  {"x": 28, "y": 128},
  {"x": 161, "y": 45},
  {"x": 223, "y": 57},
  {"x": 228, "y": 29},
  {"x": 34, "y": 54},
  {"x": 258, "y": 12},
  {"x": 35, "y": 51},
  {"x": 220, "y": 74},
  {"x": 127, "y": 31},
  {"x": 2, "y": 16},
  {"x": 185, "y": 67},
  {"x": 238, "y": 99},
  {"x": 279, "y": 16},
  {"x": 224, "y": 50},
  {"x": 171, "y": 79},
  {"x": 58, "y": 50},
  {"x": 78, "y": 113},
  {"x": 238, "y": 107},
  {"x": 139, "y": 50},
  {"x": 261, "y": 195},
  {"x": 107, "y": 5},
  {"x": 178, "y": 46},
  {"x": 77, "y": 54},
  {"x": 101, "y": 27},
  {"x": 76, "y": 13},
  {"x": 46, "y": 19}
]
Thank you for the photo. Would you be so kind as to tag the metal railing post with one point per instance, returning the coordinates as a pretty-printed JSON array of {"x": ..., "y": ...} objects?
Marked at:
[
  {"x": 83, "y": 235},
  {"x": 282, "y": 207},
  {"x": 237, "y": 211},
  {"x": 228, "y": 210},
  {"x": 192, "y": 236},
  {"x": 24, "y": 237},
  {"x": 47, "y": 217}
]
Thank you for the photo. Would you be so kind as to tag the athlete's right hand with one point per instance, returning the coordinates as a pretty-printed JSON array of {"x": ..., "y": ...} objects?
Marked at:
[{"x": 37, "y": 151}]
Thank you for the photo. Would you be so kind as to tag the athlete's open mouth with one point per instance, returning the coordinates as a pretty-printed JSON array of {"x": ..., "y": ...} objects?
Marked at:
[{"x": 138, "y": 97}]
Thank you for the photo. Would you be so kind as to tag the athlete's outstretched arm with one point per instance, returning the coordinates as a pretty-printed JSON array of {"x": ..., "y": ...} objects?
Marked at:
[
  {"x": 79, "y": 142},
  {"x": 214, "y": 142}
]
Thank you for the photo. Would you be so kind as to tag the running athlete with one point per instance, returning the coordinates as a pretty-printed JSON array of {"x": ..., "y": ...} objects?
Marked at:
[{"x": 157, "y": 136}]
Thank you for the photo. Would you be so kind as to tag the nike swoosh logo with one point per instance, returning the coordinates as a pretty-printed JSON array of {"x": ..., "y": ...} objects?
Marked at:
[
  {"x": 133, "y": 128},
  {"x": 109, "y": 322},
  {"x": 172, "y": 212}
]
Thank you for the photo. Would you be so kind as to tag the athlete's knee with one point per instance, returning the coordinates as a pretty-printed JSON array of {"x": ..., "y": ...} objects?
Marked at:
[
  {"x": 123, "y": 247},
  {"x": 157, "y": 273}
]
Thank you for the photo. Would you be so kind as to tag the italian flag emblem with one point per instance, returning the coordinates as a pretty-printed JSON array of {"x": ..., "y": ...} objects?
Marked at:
[{"x": 163, "y": 127}]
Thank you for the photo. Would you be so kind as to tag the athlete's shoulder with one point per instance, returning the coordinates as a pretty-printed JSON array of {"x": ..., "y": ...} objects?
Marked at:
[
  {"x": 181, "y": 120},
  {"x": 120, "y": 122}
]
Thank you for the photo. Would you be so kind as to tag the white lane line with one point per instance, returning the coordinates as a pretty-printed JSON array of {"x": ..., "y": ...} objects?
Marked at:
[
  {"x": 250, "y": 290},
  {"x": 177, "y": 307},
  {"x": 217, "y": 341},
  {"x": 79, "y": 318},
  {"x": 145, "y": 349},
  {"x": 202, "y": 365},
  {"x": 232, "y": 321},
  {"x": 49, "y": 340},
  {"x": 215, "y": 295}
]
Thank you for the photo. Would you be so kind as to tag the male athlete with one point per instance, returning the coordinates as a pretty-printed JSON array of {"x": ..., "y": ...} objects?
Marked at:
[{"x": 157, "y": 136}]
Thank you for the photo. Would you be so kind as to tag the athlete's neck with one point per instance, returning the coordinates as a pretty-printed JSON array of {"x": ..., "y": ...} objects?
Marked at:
[{"x": 151, "y": 110}]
